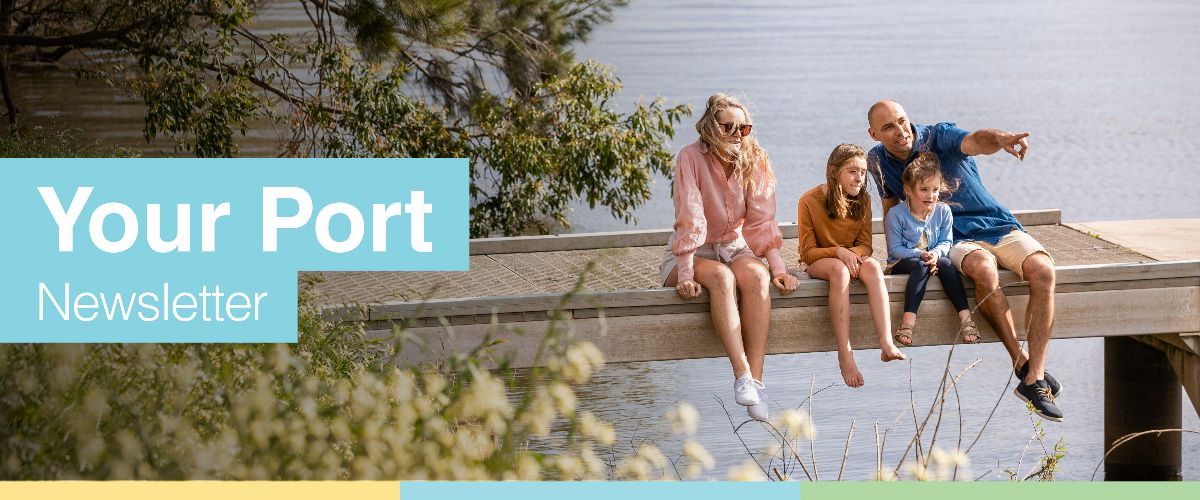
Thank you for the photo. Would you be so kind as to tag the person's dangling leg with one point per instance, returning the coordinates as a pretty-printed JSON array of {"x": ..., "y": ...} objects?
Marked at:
[
  {"x": 871, "y": 275},
  {"x": 835, "y": 272},
  {"x": 914, "y": 293},
  {"x": 953, "y": 286}
]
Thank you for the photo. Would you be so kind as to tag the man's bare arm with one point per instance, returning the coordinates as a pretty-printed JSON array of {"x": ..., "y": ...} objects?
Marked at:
[{"x": 989, "y": 140}]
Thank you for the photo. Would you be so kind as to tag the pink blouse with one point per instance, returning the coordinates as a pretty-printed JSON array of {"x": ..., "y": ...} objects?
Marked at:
[{"x": 712, "y": 209}]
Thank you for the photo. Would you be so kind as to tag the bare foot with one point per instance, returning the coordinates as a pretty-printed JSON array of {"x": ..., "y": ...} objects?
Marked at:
[
  {"x": 850, "y": 370},
  {"x": 889, "y": 352}
]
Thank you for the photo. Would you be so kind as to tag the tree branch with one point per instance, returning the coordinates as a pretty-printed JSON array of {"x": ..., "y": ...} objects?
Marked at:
[{"x": 88, "y": 39}]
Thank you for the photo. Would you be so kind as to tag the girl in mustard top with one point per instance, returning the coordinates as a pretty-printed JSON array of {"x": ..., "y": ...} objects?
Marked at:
[{"x": 835, "y": 242}]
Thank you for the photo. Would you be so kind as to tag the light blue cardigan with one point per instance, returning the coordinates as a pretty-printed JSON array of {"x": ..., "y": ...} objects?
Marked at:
[{"x": 904, "y": 232}]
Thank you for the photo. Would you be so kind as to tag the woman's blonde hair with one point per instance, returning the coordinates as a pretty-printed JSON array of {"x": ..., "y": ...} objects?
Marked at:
[
  {"x": 746, "y": 158},
  {"x": 837, "y": 204}
]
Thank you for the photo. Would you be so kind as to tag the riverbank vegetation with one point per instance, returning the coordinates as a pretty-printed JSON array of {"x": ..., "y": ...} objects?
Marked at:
[
  {"x": 332, "y": 406},
  {"x": 56, "y": 141},
  {"x": 493, "y": 81}
]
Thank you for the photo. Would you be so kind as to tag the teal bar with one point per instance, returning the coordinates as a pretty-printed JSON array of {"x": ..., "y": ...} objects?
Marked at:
[{"x": 591, "y": 490}]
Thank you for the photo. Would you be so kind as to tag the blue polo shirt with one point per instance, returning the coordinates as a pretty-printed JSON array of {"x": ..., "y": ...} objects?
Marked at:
[{"x": 977, "y": 214}]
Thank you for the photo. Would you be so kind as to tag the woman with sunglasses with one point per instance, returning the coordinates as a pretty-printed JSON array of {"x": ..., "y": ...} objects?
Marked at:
[{"x": 724, "y": 193}]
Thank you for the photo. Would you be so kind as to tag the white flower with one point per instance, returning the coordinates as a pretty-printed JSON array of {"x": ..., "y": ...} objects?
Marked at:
[
  {"x": 748, "y": 471},
  {"x": 947, "y": 461},
  {"x": 918, "y": 471},
  {"x": 485, "y": 397},
  {"x": 938, "y": 457},
  {"x": 883, "y": 475},
  {"x": 634, "y": 468},
  {"x": 595, "y": 467},
  {"x": 281, "y": 359},
  {"x": 95, "y": 404},
  {"x": 698, "y": 458},
  {"x": 435, "y": 384},
  {"x": 568, "y": 467},
  {"x": 596, "y": 429},
  {"x": 564, "y": 398},
  {"x": 527, "y": 468},
  {"x": 653, "y": 456},
  {"x": 539, "y": 414},
  {"x": 796, "y": 421},
  {"x": 308, "y": 407},
  {"x": 960, "y": 459},
  {"x": 684, "y": 419},
  {"x": 582, "y": 358}
]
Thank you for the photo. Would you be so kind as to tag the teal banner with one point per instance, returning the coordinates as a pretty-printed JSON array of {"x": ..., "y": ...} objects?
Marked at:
[
  {"x": 191, "y": 250},
  {"x": 593, "y": 490}
]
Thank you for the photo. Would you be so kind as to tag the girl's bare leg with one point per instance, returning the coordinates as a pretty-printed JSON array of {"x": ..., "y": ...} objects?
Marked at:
[
  {"x": 871, "y": 274},
  {"x": 835, "y": 272}
]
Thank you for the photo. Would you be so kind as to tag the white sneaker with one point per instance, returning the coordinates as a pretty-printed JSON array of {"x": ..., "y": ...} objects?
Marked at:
[
  {"x": 744, "y": 391},
  {"x": 760, "y": 410}
]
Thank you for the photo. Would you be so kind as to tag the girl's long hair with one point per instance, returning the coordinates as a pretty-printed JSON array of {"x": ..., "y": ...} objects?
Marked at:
[
  {"x": 837, "y": 203},
  {"x": 745, "y": 159}
]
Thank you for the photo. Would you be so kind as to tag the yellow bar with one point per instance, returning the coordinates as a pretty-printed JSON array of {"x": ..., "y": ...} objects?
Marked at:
[{"x": 201, "y": 490}]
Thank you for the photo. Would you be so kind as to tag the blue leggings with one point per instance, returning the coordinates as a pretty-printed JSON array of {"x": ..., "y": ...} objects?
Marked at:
[{"x": 918, "y": 277}]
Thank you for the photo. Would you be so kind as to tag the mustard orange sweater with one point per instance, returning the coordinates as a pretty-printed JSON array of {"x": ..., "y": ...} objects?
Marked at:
[{"x": 820, "y": 235}]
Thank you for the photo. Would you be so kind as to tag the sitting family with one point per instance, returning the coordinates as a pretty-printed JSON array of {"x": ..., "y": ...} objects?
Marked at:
[{"x": 939, "y": 218}]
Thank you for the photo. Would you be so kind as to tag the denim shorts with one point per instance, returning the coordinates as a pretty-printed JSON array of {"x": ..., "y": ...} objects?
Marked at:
[{"x": 723, "y": 252}]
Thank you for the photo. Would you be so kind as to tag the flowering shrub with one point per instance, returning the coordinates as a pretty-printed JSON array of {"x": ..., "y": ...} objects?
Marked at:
[{"x": 331, "y": 406}]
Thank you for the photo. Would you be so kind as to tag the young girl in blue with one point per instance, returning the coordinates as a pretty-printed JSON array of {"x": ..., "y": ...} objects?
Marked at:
[{"x": 918, "y": 239}]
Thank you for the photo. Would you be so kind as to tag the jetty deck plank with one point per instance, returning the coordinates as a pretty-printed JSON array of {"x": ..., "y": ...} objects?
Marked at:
[
  {"x": 1104, "y": 288},
  {"x": 1161, "y": 239},
  {"x": 625, "y": 268}
]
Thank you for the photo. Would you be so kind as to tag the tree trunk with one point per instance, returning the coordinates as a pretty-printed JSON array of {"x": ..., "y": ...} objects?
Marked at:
[{"x": 11, "y": 107}]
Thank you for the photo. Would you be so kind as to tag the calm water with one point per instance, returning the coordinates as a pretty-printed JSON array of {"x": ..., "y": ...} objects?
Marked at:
[
  {"x": 1104, "y": 87},
  {"x": 1098, "y": 84}
]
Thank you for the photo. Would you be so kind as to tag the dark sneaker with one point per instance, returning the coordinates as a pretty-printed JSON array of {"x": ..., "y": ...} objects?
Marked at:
[
  {"x": 1039, "y": 396},
  {"x": 1055, "y": 387}
]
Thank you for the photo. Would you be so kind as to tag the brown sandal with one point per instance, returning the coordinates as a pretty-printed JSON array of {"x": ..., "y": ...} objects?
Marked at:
[
  {"x": 904, "y": 332},
  {"x": 969, "y": 333}
]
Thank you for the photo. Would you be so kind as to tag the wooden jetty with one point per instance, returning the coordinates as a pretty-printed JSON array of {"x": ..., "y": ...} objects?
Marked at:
[{"x": 1136, "y": 283}]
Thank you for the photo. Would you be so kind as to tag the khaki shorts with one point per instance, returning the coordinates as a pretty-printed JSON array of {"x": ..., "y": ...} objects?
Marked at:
[{"x": 1010, "y": 251}]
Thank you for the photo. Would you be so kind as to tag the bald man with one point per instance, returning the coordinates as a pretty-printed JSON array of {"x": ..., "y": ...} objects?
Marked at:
[{"x": 986, "y": 234}]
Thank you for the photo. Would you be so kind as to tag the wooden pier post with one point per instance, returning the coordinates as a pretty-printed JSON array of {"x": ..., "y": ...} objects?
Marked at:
[{"x": 1141, "y": 392}]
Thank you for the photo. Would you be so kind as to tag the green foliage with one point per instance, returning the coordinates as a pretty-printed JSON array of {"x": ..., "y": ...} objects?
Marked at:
[
  {"x": 56, "y": 142},
  {"x": 455, "y": 46},
  {"x": 530, "y": 157},
  {"x": 490, "y": 80},
  {"x": 1048, "y": 461},
  {"x": 562, "y": 144}
]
